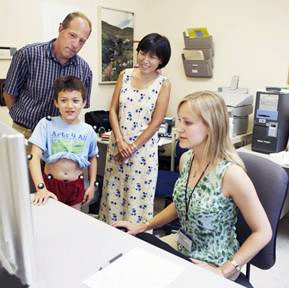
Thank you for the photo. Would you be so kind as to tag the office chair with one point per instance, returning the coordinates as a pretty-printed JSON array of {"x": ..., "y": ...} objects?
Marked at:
[
  {"x": 166, "y": 179},
  {"x": 165, "y": 186},
  {"x": 98, "y": 119},
  {"x": 271, "y": 183}
]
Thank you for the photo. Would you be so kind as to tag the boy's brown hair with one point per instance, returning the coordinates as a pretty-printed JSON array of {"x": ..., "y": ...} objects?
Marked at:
[{"x": 69, "y": 83}]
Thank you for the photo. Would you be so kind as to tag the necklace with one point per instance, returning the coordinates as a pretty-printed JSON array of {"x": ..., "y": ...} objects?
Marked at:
[
  {"x": 195, "y": 172},
  {"x": 187, "y": 201}
]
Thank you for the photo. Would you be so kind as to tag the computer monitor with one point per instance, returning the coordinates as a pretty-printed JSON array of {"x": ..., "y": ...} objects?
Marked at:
[{"x": 16, "y": 227}]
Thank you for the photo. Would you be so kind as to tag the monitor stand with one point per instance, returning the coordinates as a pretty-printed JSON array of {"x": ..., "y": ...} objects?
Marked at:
[{"x": 11, "y": 281}]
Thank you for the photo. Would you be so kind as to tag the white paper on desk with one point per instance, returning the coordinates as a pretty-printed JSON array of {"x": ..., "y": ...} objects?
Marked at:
[
  {"x": 137, "y": 268},
  {"x": 281, "y": 158},
  {"x": 164, "y": 141}
]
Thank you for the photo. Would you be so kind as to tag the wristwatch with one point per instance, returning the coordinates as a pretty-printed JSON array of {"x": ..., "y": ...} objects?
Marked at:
[
  {"x": 236, "y": 265},
  {"x": 40, "y": 185}
]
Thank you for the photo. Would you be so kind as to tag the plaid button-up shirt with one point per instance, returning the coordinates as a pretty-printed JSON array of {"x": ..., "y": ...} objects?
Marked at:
[{"x": 30, "y": 79}]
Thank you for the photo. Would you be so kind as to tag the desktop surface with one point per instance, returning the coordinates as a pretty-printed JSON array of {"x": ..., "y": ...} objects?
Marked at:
[
  {"x": 71, "y": 246},
  {"x": 248, "y": 149}
]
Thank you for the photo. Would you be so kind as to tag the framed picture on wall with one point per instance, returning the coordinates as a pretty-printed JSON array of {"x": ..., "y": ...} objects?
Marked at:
[{"x": 115, "y": 43}]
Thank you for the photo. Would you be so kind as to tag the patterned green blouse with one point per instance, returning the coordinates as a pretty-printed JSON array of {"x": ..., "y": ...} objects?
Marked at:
[{"x": 212, "y": 217}]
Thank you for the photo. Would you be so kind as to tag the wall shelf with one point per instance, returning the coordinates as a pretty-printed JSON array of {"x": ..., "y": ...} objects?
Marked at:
[{"x": 200, "y": 64}]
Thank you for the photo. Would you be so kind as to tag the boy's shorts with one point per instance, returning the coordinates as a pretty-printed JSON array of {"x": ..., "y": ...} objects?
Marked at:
[{"x": 68, "y": 192}]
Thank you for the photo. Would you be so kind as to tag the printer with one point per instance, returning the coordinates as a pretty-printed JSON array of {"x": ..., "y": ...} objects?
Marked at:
[
  {"x": 239, "y": 105},
  {"x": 271, "y": 120}
]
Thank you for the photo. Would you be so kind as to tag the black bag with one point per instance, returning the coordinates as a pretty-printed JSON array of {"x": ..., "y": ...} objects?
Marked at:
[{"x": 98, "y": 119}]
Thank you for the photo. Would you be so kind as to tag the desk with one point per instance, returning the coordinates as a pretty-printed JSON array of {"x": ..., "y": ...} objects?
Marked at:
[
  {"x": 71, "y": 246},
  {"x": 247, "y": 149},
  {"x": 242, "y": 139},
  {"x": 102, "y": 147}
]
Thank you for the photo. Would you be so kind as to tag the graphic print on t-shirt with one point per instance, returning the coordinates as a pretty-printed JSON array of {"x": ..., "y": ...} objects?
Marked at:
[{"x": 67, "y": 142}]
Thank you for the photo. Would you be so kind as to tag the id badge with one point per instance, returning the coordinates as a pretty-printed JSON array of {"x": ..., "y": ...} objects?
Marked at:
[{"x": 185, "y": 240}]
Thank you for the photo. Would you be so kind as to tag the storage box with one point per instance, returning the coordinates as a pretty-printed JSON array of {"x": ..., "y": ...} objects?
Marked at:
[
  {"x": 205, "y": 56},
  {"x": 198, "y": 68},
  {"x": 198, "y": 42}
]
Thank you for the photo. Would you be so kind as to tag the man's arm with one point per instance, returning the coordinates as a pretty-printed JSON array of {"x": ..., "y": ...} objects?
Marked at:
[
  {"x": 9, "y": 99},
  {"x": 88, "y": 85},
  {"x": 16, "y": 77}
]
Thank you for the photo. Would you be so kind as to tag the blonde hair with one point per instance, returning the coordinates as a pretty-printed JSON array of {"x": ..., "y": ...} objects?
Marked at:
[{"x": 213, "y": 112}]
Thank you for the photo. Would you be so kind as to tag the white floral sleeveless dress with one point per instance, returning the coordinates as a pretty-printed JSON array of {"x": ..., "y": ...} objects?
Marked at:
[{"x": 129, "y": 187}]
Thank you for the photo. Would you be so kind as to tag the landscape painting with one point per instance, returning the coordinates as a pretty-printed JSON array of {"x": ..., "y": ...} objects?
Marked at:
[{"x": 117, "y": 28}]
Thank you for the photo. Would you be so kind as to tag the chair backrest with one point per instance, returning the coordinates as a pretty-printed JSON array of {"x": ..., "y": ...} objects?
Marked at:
[
  {"x": 271, "y": 183},
  {"x": 179, "y": 152},
  {"x": 166, "y": 179},
  {"x": 98, "y": 119}
]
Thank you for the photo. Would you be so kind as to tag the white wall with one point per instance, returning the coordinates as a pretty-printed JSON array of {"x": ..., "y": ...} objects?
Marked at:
[
  {"x": 250, "y": 37},
  {"x": 16, "y": 30},
  {"x": 26, "y": 25},
  {"x": 251, "y": 40}
]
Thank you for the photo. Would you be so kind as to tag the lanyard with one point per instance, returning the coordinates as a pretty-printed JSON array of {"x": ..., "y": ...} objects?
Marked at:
[{"x": 186, "y": 191}]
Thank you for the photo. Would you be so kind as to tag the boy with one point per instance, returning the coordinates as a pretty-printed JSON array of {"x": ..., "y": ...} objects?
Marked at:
[{"x": 67, "y": 146}]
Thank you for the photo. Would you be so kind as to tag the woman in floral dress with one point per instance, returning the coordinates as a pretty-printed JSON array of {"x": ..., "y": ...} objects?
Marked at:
[{"x": 138, "y": 107}]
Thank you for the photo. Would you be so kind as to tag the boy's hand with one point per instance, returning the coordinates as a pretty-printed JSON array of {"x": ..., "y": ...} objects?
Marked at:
[
  {"x": 41, "y": 197},
  {"x": 88, "y": 195}
]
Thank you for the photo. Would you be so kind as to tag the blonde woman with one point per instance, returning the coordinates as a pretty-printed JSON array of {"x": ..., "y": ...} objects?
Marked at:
[{"x": 212, "y": 185}]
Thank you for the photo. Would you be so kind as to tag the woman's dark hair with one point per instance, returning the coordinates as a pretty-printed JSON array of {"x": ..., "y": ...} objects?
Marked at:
[
  {"x": 158, "y": 45},
  {"x": 69, "y": 83}
]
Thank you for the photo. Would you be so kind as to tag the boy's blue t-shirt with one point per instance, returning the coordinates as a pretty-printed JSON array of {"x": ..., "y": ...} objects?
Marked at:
[{"x": 60, "y": 140}]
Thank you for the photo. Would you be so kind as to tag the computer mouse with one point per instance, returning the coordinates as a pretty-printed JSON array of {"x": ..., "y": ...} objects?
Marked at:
[{"x": 122, "y": 229}]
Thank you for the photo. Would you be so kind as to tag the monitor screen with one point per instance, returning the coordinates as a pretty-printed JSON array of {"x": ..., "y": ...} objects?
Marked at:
[{"x": 16, "y": 227}]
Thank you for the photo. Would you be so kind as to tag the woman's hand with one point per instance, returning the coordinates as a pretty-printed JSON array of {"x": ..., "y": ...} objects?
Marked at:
[
  {"x": 125, "y": 150},
  {"x": 132, "y": 229},
  {"x": 207, "y": 266},
  {"x": 41, "y": 196}
]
